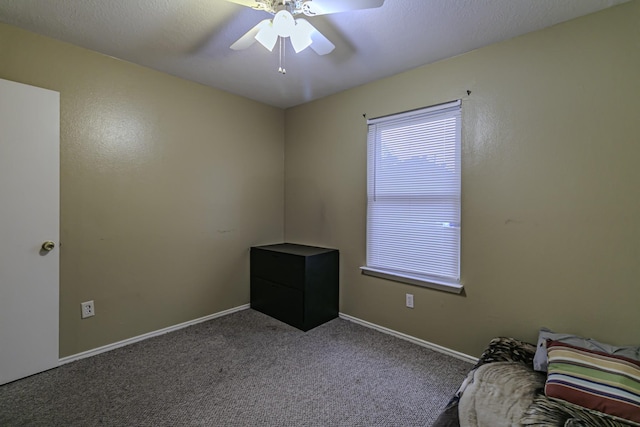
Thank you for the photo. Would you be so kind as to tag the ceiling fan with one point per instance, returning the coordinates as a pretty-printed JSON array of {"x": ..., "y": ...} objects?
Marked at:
[{"x": 284, "y": 24}]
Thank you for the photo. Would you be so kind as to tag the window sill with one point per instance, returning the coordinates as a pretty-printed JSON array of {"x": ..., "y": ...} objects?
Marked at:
[{"x": 455, "y": 288}]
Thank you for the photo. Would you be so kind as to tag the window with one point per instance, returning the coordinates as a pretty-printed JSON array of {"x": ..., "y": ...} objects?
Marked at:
[{"x": 413, "y": 197}]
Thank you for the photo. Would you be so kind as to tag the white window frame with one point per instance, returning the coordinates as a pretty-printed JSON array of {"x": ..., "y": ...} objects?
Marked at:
[{"x": 384, "y": 212}]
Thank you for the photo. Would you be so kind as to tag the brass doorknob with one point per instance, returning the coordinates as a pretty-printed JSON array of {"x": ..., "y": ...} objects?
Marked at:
[{"x": 48, "y": 246}]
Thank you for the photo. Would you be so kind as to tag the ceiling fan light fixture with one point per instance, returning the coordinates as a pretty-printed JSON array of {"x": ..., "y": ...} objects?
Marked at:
[
  {"x": 300, "y": 31},
  {"x": 300, "y": 38},
  {"x": 284, "y": 25},
  {"x": 267, "y": 37}
]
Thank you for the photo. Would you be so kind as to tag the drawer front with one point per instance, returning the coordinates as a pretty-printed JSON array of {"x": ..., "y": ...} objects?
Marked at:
[
  {"x": 285, "y": 269},
  {"x": 280, "y": 302}
]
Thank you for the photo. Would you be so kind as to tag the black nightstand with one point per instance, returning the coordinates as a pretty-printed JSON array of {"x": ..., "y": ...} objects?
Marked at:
[{"x": 296, "y": 284}]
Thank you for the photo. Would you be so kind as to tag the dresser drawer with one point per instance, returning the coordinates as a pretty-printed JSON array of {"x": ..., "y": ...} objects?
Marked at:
[
  {"x": 280, "y": 302},
  {"x": 278, "y": 267}
]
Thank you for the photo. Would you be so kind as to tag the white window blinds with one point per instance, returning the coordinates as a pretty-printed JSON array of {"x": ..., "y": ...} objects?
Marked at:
[{"x": 413, "y": 209}]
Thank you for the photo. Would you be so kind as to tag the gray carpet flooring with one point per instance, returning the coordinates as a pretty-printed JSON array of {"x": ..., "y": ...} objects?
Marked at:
[{"x": 244, "y": 369}]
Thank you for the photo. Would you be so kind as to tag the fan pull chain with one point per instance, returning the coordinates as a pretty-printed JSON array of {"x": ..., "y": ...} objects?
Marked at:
[
  {"x": 283, "y": 58},
  {"x": 280, "y": 55}
]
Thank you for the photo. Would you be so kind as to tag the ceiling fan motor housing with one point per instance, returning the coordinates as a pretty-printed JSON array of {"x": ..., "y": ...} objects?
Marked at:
[{"x": 295, "y": 7}]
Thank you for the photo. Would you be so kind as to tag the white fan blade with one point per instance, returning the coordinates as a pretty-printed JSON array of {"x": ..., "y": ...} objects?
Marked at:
[
  {"x": 250, "y": 36},
  {"x": 319, "y": 43},
  {"x": 324, "y": 7},
  {"x": 249, "y": 3}
]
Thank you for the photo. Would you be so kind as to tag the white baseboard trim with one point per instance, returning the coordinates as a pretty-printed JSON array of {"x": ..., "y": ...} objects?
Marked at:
[
  {"x": 410, "y": 338},
  {"x": 109, "y": 347}
]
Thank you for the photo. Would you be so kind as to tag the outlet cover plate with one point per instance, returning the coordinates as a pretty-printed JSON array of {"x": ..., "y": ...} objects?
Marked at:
[
  {"x": 88, "y": 309},
  {"x": 410, "y": 300}
]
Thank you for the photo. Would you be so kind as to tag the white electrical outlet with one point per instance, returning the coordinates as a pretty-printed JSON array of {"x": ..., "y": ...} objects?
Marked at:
[
  {"x": 87, "y": 309},
  {"x": 410, "y": 300}
]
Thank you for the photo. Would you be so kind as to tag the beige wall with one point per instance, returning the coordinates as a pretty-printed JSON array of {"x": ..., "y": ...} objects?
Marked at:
[
  {"x": 164, "y": 188},
  {"x": 551, "y": 178}
]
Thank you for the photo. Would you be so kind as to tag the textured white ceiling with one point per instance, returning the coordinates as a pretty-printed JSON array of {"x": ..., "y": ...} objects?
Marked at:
[{"x": 191, "y": 38}]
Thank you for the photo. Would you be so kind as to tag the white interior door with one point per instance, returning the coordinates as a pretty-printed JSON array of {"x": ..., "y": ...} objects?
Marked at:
[{"x": 29, "y": 216}]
